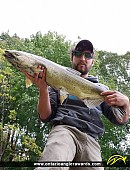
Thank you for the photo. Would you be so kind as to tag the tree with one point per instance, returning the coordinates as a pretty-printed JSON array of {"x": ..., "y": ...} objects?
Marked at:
[{"x": 26, "y": 134}]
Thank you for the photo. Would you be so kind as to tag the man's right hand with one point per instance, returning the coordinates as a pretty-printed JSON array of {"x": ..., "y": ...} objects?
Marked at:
[{"x": 39, "y": 79}]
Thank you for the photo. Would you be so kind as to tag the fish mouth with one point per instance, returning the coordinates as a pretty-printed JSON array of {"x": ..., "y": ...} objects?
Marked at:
[
  {"x": 7, "y": 54},
  {"x": 11, "y": 58}
]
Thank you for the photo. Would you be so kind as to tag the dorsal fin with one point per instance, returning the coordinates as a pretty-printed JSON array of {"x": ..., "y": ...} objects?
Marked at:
[{"x": 73, "y": 71}]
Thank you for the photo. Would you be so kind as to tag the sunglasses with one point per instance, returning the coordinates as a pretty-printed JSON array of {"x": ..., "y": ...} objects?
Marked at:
[{"x": 79, "y": 54}]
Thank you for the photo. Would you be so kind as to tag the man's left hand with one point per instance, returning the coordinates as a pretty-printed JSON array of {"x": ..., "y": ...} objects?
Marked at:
[{"x": 115, "y": 98}]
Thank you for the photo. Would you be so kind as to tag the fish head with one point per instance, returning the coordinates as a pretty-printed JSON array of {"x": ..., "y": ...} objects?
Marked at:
[
  {"x": 16, "y": 58},
  {"x": 11, "y": 57},
  {"x": 21, "y": 61}
]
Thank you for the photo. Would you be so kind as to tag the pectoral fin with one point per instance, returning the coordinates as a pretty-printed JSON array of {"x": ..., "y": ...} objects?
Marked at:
[
  {"x": 63, "y": 95},
  {"x": 28, "y": 82},
  {"x": 31, "y": 72}
]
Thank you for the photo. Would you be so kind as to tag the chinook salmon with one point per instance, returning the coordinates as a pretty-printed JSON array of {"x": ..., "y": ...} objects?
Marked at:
[{"x": 65, "y": 79}]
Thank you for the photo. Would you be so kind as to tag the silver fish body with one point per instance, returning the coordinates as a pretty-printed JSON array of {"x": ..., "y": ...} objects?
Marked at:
[{"x": 67, "y": 80}]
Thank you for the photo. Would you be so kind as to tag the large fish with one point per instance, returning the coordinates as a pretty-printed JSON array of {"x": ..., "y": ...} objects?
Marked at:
[{"x": 65, "y": 79}]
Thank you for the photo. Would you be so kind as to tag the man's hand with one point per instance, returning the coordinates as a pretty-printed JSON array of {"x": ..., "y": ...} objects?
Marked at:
[
  {"x": 115, "y": 98},
  {"x": 38, "y": 79},
  {"x": 44, "y": 106}
]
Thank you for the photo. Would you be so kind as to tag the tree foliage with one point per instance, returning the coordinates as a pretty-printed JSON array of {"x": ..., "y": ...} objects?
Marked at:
[
  {"x": 114, "y": 73},
  {"x": 22, "y": 134}
]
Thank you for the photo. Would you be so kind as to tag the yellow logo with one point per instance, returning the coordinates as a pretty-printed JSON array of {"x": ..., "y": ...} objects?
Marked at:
[{"x": 113, "y": 159}]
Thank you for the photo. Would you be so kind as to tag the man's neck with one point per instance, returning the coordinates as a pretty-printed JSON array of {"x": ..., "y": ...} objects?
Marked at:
[{"x": 84, "y": 75}]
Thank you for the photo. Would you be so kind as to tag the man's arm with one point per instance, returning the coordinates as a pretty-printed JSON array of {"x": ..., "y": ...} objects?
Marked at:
[
  {"x": 44, "y": 106},
  {"x": 115, "y": 98}
]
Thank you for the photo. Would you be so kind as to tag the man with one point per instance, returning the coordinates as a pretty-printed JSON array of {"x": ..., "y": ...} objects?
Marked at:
[{"x": 75, "y": 127}]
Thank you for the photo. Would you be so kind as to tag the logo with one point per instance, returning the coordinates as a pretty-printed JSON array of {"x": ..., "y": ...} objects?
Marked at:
[{"x": 113, "y": 159}]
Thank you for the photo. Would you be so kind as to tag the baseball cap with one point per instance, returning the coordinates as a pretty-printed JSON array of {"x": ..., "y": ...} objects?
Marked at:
[{"x": 84, "y": 45}]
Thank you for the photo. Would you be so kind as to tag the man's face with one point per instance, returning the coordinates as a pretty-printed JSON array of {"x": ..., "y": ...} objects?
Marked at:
[{"x": 83, "y": 62}]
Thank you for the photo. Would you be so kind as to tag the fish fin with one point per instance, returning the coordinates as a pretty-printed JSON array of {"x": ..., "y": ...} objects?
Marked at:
[
  {"x": 63, "y": 95},
  {"x": 92, "y": 103},
  {"x": 73, "y": 71},
  {"x": 28, "y": 82},
  {"x": 118, "y": 112}
]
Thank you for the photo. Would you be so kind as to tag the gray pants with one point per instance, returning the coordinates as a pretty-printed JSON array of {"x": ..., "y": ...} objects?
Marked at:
[{"x": 67, "y": 143}]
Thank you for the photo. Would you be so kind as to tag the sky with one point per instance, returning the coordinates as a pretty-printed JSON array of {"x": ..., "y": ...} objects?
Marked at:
[{"x": 106, "y": 23}]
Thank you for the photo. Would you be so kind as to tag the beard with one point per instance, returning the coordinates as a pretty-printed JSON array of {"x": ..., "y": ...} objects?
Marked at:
[{"x": 82, "y": 68}]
